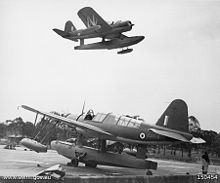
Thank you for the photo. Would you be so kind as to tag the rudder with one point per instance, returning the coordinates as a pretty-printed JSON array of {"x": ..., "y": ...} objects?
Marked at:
[{"x": 175, "y": 116}]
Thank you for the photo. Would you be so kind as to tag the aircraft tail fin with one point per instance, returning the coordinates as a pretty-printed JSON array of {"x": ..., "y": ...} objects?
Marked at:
[
  {"x": 69, "y": 27},
  {"x": 175, "y": 116}
]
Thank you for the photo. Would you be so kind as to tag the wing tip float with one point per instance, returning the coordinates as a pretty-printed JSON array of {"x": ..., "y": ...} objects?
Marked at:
[{"x": 33, "y": 145}]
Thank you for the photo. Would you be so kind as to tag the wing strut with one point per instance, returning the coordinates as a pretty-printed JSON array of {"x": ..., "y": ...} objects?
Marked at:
[
  {"x": 81, "y": 42},
  {"x": 42, "y": 127},
  {"x": 35, "y": 119},
  {"x": 49, "y": 132}
]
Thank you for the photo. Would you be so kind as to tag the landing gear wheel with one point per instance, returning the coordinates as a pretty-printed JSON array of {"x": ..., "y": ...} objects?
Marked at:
[
  {"x": 91, "y": 164},
  {"x": 74, "y": 162},
  {"x": 149, "y": 172}
]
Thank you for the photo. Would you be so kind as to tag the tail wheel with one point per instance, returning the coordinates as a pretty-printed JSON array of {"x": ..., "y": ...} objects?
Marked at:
[{"x": 74, "y": 162}]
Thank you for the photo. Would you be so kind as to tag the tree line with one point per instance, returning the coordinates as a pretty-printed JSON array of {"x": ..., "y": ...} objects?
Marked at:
[{"x": 44, "y": 131}]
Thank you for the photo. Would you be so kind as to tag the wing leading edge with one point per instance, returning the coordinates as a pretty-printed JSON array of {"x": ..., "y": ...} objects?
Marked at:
[{"x": 70, "y": 122}]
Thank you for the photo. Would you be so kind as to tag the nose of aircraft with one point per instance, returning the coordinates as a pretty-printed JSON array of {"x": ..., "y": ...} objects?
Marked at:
[
  {"x": 130, "y": 24},
  {"x": 141, "y": 38}
]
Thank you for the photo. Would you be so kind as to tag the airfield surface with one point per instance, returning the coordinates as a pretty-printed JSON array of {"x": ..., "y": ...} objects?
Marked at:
[{"x": 24, "y": 163}]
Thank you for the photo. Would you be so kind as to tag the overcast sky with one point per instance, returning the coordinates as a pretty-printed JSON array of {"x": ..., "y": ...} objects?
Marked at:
[{"x": 179, "y": 58}]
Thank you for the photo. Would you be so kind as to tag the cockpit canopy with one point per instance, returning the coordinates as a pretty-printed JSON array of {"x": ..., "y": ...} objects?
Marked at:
[
  {"x": 128, "y": 121},
  {"x": 89, "y": 115},
  {"x": 99, "y": 117}
]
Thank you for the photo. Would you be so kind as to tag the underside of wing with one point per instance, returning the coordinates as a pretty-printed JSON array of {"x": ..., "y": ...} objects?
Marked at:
[
  {"x": 170, "y": 134},
  {"x": 90, "y": 18},
  {"x": 71, "y": 122}
]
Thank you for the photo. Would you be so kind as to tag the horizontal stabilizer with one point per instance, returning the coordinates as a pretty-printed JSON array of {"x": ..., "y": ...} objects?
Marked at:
[
  {"x": 195, "y": 140},
  {"x": 61, "y": 33},
  {"x": 170, "y": 134},
  {"x": 64, "y": 34}
]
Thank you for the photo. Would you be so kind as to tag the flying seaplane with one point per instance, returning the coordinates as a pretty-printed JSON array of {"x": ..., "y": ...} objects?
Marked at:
[{"x": 96, "y": 26}]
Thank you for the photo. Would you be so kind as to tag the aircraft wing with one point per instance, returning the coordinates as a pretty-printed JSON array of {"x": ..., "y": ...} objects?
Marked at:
[
  {"x": 170, "y": 134},
  {"x": 90, "y": 17},
  {"x": 71, "y": 122},
  {"x": 122, "y": 36},
  {"x": 55, "y": 172}
]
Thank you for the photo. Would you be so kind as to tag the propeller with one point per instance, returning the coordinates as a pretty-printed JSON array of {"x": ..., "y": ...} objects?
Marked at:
[{"x": 130, "y": 24}]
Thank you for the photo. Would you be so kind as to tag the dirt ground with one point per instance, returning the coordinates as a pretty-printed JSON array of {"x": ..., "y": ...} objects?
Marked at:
[{"x": 24, "y": 163}]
